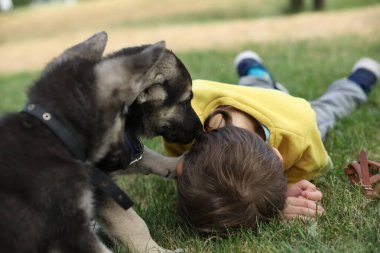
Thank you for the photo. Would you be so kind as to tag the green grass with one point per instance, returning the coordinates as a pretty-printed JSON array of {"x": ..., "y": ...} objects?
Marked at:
[
  {"x": 306, "y": 68},
  {"x": 13, "y": 89}
]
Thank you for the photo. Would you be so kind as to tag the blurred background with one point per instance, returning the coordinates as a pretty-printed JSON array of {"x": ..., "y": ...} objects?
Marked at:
[{"x": 34, "y": 31}]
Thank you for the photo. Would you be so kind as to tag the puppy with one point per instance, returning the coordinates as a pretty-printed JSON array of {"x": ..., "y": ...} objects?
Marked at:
[
  {"x": 162, "y": 109},
  {"x": 75, "y": 114}
]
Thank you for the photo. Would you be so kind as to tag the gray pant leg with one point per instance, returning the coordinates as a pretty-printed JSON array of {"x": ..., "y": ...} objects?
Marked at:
[
  {"x": 261, "y": 83},
  {"x": 341, "y": 98}
]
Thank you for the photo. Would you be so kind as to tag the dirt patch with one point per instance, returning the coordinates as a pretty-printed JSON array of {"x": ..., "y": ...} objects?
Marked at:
[{"x": 32, "y": 54}]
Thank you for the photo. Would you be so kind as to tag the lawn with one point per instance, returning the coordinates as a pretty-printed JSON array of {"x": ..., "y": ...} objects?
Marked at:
[{"x": 306, "y": 68}]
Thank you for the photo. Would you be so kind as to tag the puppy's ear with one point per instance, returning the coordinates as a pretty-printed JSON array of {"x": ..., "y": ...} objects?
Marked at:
[
  {"x": 123, "y": 75},
  {"x": 149, "y": 57},
  {"x": 90, "y": 49},
  {"x": 154, "y": 95}
]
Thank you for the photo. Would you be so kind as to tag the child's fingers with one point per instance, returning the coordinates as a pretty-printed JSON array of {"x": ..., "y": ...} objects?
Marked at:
[
  {"x": 314, "y": 195},
  {"x": 300, "y": 206},
  {"x": 296, "y": 189},
  {"x": 301, "y": 202},
  {"x": 301, "y": 211},
  {"x": 306, "y": 185},
  {"x": 315, "y": 206}
]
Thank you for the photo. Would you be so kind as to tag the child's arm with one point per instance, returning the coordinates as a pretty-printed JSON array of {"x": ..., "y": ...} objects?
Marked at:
[{"x": 302, "y": 201}]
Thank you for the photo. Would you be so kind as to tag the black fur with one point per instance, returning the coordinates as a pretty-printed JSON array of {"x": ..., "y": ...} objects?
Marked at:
[
  {"x": 41, "y": 183},
  {"x": 45, "y": 193}
]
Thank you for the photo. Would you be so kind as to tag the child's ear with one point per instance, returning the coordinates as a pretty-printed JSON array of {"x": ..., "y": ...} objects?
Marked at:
[
  {"x": 278, "y": 153},
  {"x": 180, "y": 167}
]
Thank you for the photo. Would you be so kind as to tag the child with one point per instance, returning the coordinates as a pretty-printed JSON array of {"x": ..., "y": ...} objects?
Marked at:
[
  {"x": 242, "y": 184},
  {"x": 293, "y": 126}
]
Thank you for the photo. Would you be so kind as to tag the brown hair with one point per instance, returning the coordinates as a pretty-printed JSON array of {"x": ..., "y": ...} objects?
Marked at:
[{"x": 231, "y": 179}]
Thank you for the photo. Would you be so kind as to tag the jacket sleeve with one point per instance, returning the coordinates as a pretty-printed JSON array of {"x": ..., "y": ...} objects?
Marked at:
[
  {"x": 313, "y": 160},
  {"x": 175, "y": 149}
]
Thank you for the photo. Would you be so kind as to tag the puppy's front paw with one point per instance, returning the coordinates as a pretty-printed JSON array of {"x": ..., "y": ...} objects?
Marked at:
[
  {"x": 171, "y": 174},
  {"x": 165, "y": 167},
  {"x": 162, "y": 250}
]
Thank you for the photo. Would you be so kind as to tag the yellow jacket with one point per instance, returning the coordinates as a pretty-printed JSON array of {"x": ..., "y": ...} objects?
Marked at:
[{"x": 290, "y": 120}]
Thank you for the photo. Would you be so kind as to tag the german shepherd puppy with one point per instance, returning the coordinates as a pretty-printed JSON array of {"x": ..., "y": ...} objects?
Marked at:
[{"x": 47, "y": 196}]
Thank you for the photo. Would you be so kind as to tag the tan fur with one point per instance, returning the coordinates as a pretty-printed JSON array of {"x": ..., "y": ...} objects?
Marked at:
[
  {"x": 86, "y": 203},
  {"x": 110, "y": 74},
  {"x": 128, "y": 227},
  {"x": 155, "y": 94}
]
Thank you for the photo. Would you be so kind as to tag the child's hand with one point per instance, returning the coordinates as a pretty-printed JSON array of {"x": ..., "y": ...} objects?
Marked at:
[
  {"x": 305, "y": 189},
  {"x": 302, "y": 201},
  {"x": 301, "y": 208}
]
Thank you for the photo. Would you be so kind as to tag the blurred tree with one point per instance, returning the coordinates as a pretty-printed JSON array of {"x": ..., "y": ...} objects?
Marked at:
[
  {"x": 297, "y": 5},
  {"x": 18, "y": 3}
]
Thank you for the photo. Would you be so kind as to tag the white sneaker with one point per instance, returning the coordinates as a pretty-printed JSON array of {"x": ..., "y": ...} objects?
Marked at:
[
  {"x": 246, "y": 55},
  {"x": 368, "y": 64}
]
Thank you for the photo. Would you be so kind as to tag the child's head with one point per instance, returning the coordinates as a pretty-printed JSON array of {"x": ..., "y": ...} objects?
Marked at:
[{"x": 230, "y": 179}]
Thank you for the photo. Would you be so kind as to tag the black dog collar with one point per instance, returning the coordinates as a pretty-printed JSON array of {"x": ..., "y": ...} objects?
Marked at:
[
  {"x": 135, "y": 146},
  {"x": 99, "y": 178},
  {"x": 75, "y": 148}
]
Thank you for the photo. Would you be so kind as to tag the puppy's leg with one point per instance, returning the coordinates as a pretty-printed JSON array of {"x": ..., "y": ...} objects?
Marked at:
[
  {"x": 128, "y": 227},
  {"x": 102, "y": 248},
  {"x": 153, "y": 162},
  {"x": 81, "y": 240}
]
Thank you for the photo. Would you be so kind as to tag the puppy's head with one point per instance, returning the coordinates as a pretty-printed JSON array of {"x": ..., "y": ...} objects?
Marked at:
[
  {"x": 164, "y": 108},
  {"x": 88, "y": 93},
  {"x": 121, "y": 77}
]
